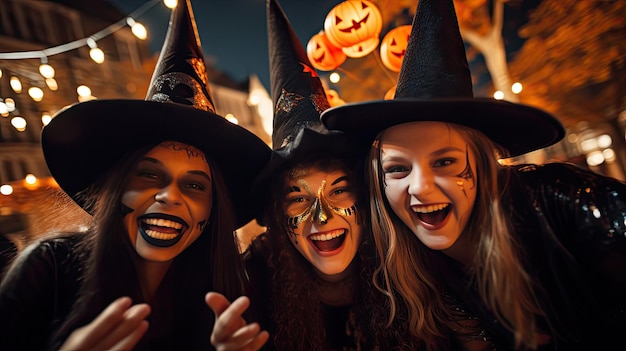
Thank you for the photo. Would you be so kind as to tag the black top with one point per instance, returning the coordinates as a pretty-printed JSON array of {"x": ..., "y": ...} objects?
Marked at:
[
  {"x": 582, "y": 287},
  {"x": 42, "y": 287}
]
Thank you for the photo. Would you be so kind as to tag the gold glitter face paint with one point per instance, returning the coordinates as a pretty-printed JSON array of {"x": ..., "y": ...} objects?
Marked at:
[
  {"x": 467, "y": 174},
  {"x": 321, "y": 207}
]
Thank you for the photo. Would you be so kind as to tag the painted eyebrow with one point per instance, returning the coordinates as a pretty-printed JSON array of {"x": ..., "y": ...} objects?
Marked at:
[
  {"x": 293, "y": 189},
  {"x": 193, "y": 172},
  {"x": 340, "y": 179}
]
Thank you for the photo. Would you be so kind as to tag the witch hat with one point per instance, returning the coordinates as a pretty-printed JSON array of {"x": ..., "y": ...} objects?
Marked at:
[
  {"x": 85, "y": 140},
  {"x": 434, "y": 84},
  {"x": 299, "y": 100}
]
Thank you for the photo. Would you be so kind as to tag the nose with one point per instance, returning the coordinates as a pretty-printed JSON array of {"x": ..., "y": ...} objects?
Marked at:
[
  {"x": 321, "y": 214},
  {"x": 421, "y": 182},
  {"x": 169, "y": 195}
]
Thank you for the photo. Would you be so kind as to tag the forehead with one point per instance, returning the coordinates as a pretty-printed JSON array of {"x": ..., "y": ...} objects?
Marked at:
[
  {"x": 313, "y": 174},
  {"x": 179, "y": 153},
  {"x": 423, "y": 134}
]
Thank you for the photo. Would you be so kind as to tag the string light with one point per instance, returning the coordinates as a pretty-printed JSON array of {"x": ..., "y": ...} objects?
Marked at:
[
  {"x": 40, "y": 54},
  {"x": 45, "y": 69},
  {"x": 16, "y": 84}
]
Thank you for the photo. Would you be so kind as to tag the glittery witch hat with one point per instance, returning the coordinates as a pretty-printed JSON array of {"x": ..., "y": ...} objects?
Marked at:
[
  {"x": 434, "y": 84},
  {"x": 299, "y": 99},
  {"x": 85, "y": 140}
]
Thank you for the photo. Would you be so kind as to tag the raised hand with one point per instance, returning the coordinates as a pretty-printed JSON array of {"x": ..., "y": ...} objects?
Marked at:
[
  {"x": 231, "y": 332},
  {"x": 119, "y": 327}
]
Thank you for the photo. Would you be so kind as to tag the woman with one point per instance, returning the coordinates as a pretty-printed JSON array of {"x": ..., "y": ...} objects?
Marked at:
[
  {"x": 165, "y": 196},
  {"x": 311, "y": 272},
  {"x": 536, "y": 253}
]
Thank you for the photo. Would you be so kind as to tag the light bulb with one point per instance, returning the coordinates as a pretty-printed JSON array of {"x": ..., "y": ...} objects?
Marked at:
[{"x": 46, "y": 70}]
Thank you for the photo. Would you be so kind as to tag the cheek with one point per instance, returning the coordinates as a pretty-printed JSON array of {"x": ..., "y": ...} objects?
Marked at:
[{"x": 394, "y": 191}]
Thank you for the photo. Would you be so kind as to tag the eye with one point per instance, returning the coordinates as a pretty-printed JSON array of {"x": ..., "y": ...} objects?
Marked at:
[
  {"x": 196, "y": 186},
  {"x": 445, "y": 162},
  {"x": 395, "y": 169},
  {"x": 148, "y": 174}
]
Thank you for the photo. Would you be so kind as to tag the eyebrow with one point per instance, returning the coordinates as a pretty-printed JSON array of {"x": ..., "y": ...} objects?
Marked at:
[
  {"x": 339, "y": 180},
  {"x": 193, "y": 172},
  {"x": 293, "y": 189},
  {"x": 446, "y": 149}
]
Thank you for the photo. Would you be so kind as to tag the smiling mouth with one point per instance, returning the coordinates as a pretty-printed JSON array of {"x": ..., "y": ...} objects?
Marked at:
[
  {"x": 432, "y": 214},
  {"x": 162, "y": 230},
  {"x": 328, "y": 241}
]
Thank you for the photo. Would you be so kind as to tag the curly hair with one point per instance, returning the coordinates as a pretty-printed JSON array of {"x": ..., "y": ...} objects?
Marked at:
[{"x": 296, "y": 308}]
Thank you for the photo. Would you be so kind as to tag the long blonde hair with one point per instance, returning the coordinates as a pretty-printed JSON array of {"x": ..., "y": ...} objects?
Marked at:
[{"x": 504, "y": 286}]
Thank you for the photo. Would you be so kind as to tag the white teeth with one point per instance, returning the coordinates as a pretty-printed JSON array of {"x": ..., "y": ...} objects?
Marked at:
[
  {"x": 163, "y": 223},
  {"x": 327, "y": 236},
  {"x": 159, "y": 235},
  {"x": 429, "y": 208}
]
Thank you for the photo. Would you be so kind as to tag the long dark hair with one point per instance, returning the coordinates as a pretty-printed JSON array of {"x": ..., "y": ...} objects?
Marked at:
[{"x": 212, "y": 262}]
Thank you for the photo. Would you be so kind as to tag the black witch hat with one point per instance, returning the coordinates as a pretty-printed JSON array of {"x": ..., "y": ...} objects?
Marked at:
[
  {"x": 85, "y": 140},
  {"x": 299, "y": 100},
  {"x": 434, "y": 84}
]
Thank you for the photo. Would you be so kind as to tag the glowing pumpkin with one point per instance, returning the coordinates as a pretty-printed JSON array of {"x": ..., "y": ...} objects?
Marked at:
[
  {"x": 354, "y": 22},
  {"x": 393, "y": 45},
  {"x": 322, "y": 54},
  {"x": 333, "y": 98}
]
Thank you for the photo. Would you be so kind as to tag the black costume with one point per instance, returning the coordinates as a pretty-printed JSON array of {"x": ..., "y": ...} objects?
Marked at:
[
  {"x": 581, "y": 286},
  {"x": 40, "y": 291}
]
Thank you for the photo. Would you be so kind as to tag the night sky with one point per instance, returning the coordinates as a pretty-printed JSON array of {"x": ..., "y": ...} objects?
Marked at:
[{"x": 234, "y": 38}]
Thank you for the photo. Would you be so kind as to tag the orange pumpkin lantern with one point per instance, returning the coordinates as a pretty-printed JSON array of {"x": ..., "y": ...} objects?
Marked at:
[
  {"x": 354, "y": 22},
  {"x": 393, "y": 46},
  {"x": 322, "y": 54}
]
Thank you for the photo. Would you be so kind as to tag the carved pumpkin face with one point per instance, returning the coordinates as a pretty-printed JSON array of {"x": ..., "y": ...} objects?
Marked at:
[
  {"x": 393, "y": 46},
  {"x": 352, "y": 22},
  {"x": 322, "y": 54}
]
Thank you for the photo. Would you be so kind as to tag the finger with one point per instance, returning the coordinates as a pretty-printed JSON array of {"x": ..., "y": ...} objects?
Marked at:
[
  {"x": 230, "y": 320},
  {"x": 131, "y": 322},
  {"x": 217, "y": 302},
  {"x": 129, "y": 342},
  {"x": 249, "y": 339}
]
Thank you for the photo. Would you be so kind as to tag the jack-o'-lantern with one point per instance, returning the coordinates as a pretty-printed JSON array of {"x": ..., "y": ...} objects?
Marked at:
[
  {"x": 352, "y": 22},
  {"x": 393, "y": 46},
  {"x": 322, "y": 54}
]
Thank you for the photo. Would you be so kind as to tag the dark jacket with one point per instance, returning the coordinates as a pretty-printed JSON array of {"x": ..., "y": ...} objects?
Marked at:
[
  {"x": 571, "y": 225},
  {"x": 41, "y": 289}
]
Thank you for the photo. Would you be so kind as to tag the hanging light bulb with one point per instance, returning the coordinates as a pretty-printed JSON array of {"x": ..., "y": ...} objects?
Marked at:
[
  {"x": 46, "y": 118},
  {"x": 6, "y": 189},
  {"x": 10, "y": 104},
  {"x": 4, "y": 112},
  {"x": 137, "y": 28},
  {"x": 170, "y": 3},
  {"x": 35, "y": 93},
  {"x": 83, "y": 91},
  {"x": 0, "y": 73},
  {"x": 45, "y": 69},
  {"x": 16, "y": 85},
  {"x": 18, "y": 123},
  {"x": 52, "y": 84},
  {"x": 96, "y": 54}
]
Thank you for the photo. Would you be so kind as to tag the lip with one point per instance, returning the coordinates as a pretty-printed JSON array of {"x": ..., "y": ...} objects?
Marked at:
[
  {"x": 178, "y": 225},
  {"x": 325, "y": 253}
]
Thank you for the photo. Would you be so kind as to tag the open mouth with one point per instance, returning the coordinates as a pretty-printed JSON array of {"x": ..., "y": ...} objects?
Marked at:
[
  {"x": 161, "y": 230},
  {"x": 328, "y": 241},
  {"x": 433, "y": 215}
]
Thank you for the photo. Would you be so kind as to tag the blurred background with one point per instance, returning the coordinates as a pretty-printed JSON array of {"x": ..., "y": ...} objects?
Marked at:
[{"x": 565, "y": 56}]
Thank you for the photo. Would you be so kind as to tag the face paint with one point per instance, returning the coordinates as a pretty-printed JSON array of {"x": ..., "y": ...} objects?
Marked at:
[
  {"x": 320, "y": 210},
  {"x": 427, "y": 166},
  {"x": 321, "y": 207},
  {"x": 169, "y": 198},
  {"x": 466, "y": 174}
]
